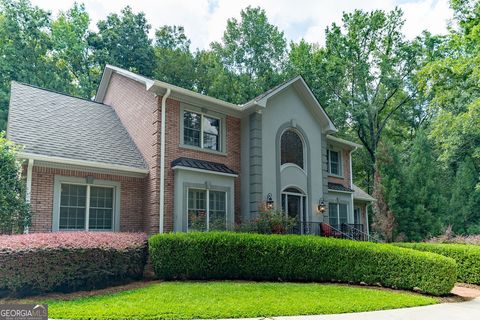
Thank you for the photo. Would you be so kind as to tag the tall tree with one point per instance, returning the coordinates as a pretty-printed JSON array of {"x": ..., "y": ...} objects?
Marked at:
[
  {"x": 24, "y": 43},
  {"x": 253, "y": 50},
  {"x": 122, "y": 40},
  {"x": 175, "y": 62},
  {"x": 72, "y": 53}
]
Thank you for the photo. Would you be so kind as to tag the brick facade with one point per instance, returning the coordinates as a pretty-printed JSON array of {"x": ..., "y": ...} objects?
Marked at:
[
  {"x": 140, "y": 113},
  {"x": 131, "y": 194}
]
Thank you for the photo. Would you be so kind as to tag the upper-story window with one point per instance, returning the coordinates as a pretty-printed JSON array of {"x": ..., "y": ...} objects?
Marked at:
[
  {"x": 291, "y": 148},
  {"x": 201, "y": 131},
  {"x": 334, "y": 162}
]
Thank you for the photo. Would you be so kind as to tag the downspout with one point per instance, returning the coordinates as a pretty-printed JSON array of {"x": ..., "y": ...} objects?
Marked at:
[
  {"x": 351, "y": 181},
  {"x": 28, "y": 191},
  {"x": 162, "y": 161}
]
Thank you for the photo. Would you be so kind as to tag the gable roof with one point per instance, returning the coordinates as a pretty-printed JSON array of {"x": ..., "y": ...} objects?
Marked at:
[
  {"x": 160, "y": 87},
  {"x": 59, "y": 126}
]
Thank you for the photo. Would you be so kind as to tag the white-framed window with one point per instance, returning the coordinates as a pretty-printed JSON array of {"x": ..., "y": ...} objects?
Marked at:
[
  {"x": 357, "y": 215},
  {"x": 86, "y": 207},
  {"x": 79, "y": 205},
  {"x": 334, "y": 162},
  {"x": 201, "y": 131},
  {"x": 337, "y": 214},
  {"x": 291, "y": 148},
  {"x": 207, "y": 210}
]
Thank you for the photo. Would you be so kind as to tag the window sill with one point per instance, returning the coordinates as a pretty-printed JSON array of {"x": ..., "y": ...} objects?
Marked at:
[
  {"x": 336, "y": 176},
  {"x": 218, "y": 153}
]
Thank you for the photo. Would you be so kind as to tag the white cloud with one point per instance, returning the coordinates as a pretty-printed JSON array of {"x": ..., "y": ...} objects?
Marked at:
[{"x": 205, "y": 20}]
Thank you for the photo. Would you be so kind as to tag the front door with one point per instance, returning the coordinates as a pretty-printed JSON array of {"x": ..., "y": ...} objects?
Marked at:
[{"x": 293, "y": 205}]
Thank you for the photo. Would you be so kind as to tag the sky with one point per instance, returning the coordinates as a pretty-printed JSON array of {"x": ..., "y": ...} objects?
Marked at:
[{"x": 205, "y": 20}]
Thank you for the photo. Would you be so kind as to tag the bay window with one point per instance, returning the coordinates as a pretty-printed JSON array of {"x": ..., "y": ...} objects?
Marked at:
[{"x": 207, "y": 210}]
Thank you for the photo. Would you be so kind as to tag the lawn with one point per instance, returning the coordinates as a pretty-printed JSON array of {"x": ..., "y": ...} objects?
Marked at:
[{"x": 229, "y": 299}]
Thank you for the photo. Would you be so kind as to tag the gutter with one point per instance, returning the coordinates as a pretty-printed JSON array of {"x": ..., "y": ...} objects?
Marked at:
[
  {"x": 162, "y": 160},
  {"x": 83, "y": 163}
]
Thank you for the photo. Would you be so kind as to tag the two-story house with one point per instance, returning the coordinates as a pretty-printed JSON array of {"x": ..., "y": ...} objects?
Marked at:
[{"x": 150, "y": 156}]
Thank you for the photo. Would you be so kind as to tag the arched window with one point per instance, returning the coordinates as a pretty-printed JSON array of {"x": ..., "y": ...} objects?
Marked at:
[{"x": 291, "y": 148}]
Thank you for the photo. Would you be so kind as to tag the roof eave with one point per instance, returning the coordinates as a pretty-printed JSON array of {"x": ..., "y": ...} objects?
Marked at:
[{"x": 83, "y": 163}]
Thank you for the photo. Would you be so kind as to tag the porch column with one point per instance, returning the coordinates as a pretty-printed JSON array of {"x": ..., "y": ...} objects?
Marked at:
[{"x": 28, "y": 191}]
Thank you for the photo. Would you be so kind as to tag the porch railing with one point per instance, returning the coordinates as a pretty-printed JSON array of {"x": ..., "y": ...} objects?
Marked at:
[{"x": 342, "y": 231}]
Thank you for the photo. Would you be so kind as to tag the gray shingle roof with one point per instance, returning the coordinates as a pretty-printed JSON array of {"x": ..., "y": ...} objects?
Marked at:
[
  {"x": 338, "y": 187},
  {"x": 202, "y": 164},
  {"x": 359, "y": 194},
  {"x": 52, "y": 124}
]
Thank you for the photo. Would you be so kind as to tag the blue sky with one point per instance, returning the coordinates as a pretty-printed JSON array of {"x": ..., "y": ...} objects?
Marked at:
[{"x": 205, "y": 20}]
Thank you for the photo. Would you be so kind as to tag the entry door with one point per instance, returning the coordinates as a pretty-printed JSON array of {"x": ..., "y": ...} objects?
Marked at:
[{"x": 293, "y": 204}]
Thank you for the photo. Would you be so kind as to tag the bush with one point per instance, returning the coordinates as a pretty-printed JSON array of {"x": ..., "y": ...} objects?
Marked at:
[
  {"x": 226, "y": 255},
  {"x": 69, "y": 261},
  {"x": 269, "y": 222},
  {"x": 466, "y": 256},
  {"x": 14, "y": 211}
]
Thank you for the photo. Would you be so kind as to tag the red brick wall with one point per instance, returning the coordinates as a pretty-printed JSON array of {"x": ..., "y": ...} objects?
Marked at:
[
  {"x": 138, "y": 112},
  {"x": 174, "y": 151},
  {"x": 131, "y": 198},
  {"x": 345, "y": 180}
]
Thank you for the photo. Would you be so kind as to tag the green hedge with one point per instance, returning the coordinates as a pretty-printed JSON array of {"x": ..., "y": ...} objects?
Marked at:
[
  {"x": 226, "y": 255},
  {"x": 466, "y": 256}
]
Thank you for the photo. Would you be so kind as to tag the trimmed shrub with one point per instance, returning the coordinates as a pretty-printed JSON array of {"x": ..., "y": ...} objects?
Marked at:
[
  {"x": 466, "y": 256},
  {"x": 69, "y": 261},
  {"x": 226, "y": 255}
]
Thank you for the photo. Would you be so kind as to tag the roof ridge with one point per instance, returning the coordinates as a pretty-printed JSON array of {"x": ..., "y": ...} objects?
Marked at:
[{"x": 57, "y": 92}]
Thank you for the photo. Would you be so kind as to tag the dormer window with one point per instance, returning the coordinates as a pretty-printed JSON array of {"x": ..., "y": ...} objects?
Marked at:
[
  {"x": 334, "y": 162},
  {"x": 292, "y": 148},
  {"x": 201, "y": 131}
]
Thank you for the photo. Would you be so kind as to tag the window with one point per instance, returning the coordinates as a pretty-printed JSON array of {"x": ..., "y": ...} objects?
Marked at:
[
  {"x": 85, "y": 207},
  {"x": 291, "y": 148},
  {"x": 201, "y": 131},
  {"x": 334, "y": 164},
  {"x": 207, "y": 210},
  {"x": 357, "y": 216},
  {"x": 337, "y": 214}
]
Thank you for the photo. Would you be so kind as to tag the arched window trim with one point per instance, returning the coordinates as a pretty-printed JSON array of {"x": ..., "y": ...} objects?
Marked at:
[{"x": 304, "y": 151}]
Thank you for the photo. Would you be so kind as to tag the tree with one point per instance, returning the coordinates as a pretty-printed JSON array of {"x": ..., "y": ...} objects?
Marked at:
[
  {"x": 14, "y": 211},
  {"x": 122, "y": 40},
  {"x": 253, "y": 52},
  {"x": 175, "y": 63},
  {"x": 72, "y": 54},
  {"x": 24, "y": 44}
]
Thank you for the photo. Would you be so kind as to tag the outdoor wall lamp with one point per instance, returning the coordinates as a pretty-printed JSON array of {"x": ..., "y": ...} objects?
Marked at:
[
  {"x": 269, "y": 203},
  {"x": 322, "y": 207}
]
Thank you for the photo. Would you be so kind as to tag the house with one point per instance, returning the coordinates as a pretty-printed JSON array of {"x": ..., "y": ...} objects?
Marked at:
[{"x": 150, "y": 156}]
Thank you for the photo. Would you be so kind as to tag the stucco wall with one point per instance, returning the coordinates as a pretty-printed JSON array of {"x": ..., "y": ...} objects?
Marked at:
[{"x": 284, "y": 110}]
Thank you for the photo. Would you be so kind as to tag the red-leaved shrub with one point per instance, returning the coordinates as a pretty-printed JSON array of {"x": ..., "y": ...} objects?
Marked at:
[{"x": 69, "y": 261}]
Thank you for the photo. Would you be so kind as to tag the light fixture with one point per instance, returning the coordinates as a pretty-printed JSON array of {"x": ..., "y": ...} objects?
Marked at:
[
  {"x": 269, "y": 203},
  {"x": 322, "y": 207}
]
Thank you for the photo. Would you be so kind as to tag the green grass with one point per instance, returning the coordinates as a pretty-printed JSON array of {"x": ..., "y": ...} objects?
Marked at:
[{"x": 187, "y": 300}]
